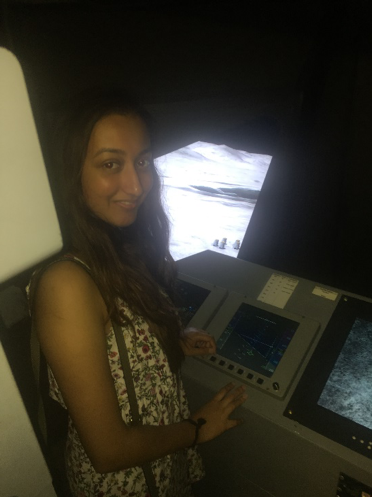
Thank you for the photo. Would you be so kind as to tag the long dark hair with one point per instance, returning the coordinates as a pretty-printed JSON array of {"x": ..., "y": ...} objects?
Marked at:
[{"x": 132, "y": 263}]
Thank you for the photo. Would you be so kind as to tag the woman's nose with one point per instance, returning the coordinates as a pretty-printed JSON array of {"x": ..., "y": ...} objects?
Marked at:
[{"x": 130, "y": 181}]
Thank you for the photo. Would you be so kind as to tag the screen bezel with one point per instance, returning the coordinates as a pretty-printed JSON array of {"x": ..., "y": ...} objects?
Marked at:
[
  {"x": 283, "y": 376},
  {"x": 303, "y": 406}
]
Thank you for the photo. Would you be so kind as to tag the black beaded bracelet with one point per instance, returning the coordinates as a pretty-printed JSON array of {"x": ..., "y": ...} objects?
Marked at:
[{"x": 198, "y": 424}]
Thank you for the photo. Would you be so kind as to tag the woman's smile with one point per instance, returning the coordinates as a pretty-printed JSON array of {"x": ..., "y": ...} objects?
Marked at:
[{"x": 128, "y": 204}]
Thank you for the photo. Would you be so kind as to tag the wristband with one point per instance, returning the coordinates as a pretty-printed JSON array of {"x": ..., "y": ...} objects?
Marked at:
[{"x": 198, "y": 424}]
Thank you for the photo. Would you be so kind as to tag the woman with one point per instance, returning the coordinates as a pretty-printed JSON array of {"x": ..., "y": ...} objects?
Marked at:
[{"x": 116, "y": 227}]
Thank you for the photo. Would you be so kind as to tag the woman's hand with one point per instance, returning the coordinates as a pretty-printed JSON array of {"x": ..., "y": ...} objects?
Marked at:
[
  {"x": 217, "y": 412},
  {"x": 196, "y": 342}
]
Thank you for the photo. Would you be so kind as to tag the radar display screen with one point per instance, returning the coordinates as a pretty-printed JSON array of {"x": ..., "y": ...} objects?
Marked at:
[{"x": 256, "y": 339}]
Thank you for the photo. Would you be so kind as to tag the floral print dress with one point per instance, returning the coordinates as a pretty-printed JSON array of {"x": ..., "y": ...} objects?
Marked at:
[{"x": 161, "y": 401}]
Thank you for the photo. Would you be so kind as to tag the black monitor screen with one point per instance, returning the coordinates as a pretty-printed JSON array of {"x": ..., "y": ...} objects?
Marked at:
[
  {"x": 334, "y": 394},
  {"x": 190, "y": 298},
  {"x": 256, "y": 339},
  {"x": 348, "y": 390}
]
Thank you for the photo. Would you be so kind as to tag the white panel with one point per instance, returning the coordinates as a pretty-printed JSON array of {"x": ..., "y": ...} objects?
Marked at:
[
  {"x": 23, "y": 472},
  {"x": 29, "y": 230}
]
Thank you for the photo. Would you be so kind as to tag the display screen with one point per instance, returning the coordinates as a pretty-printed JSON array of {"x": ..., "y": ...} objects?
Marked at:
[
  {"x": 256, "y": 339},
  {"x": 190, "y": 298},
  {"x": 334, "y": 394},
  {"x": 210, "y": 192},
  {"x": 348, "y": 391}
]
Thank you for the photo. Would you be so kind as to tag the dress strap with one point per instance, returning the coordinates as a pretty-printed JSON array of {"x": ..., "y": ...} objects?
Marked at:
[{"x": 136, "y": 418}]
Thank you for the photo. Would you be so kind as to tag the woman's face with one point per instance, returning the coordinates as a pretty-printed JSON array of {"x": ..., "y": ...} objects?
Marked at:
[{"x": 117, "y": 171}]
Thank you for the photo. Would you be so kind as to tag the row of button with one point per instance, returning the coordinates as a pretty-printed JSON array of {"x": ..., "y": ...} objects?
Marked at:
[{"x": 239, "y": 371}]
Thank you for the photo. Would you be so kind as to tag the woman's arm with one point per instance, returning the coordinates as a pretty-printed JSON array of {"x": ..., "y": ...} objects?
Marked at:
[{"x": 71, "y": 319}]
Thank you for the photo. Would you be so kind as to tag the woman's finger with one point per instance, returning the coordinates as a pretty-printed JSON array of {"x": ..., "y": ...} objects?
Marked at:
[
  {"x": 235, "y": 398},
  {"x": 232, "y": 423},
  {"x": 224, "y": 390},
  {"x": 236, "y": 402}
]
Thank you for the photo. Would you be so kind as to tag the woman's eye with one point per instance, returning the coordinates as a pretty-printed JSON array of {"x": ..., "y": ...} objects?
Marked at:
[
  {"x": 143, "y": 163},
  {"x": 110, "y": 165}
]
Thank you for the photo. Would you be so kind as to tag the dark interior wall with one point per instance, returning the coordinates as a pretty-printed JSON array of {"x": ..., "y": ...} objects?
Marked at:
[
  {"x": 356, "y": 215},
  {"x": 305, "y": 193},
  {"x": 315, "y": 218},
  {"x": 163, "y": 56},
  {"x": 200, "y": 75}
]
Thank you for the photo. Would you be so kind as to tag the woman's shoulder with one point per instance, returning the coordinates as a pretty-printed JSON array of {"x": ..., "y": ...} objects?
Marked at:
[
  {"x": 64, "y": 281},
  {"x": 64, "y": 271}
]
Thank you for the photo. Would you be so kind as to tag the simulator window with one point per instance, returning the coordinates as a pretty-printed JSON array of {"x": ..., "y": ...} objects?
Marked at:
[
  {"x": 210, "y": 192},
  {"x": 334, "y": 395}
]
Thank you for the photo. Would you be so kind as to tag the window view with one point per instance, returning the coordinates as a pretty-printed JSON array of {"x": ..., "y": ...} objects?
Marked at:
[{"x": 210, "y": 193}]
